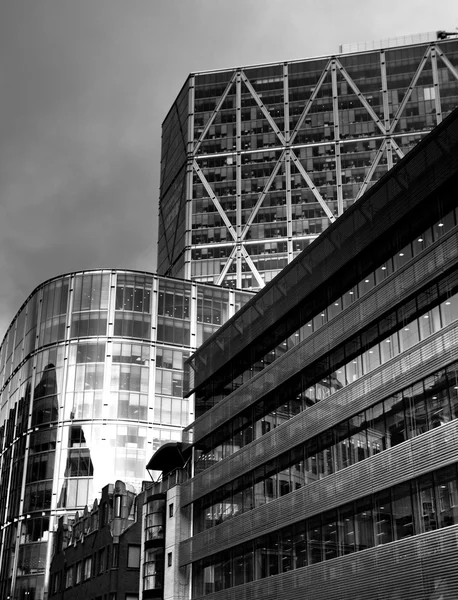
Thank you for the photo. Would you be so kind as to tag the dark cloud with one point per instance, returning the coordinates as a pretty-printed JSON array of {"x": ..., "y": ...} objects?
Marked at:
[{"x": 85, "y": 85}]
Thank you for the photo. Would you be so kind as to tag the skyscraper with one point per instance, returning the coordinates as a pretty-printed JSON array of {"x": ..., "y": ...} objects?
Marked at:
[
  {"x": 257, "y": 161},
  {"x": 91, "y": 383}
]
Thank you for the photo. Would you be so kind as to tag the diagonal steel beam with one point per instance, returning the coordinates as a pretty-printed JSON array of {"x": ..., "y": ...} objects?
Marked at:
[
  {"x": 407, "y": 95},
  {"x": 447, "y": 63},
  {"x": 262, "y": 195},
  {"x": 227, "y": 266},
  {"x": 373, "y": 166},
  {"x": 310, "y": 101},
  {"x": 263, "y": 109},
  {"x": 397, "y": 149},
  {"x": 335, "y": 118},
  {"x": 214, "y": 113},
  {"x": 253, "y": 268},
  {"x": 215, "y": 200},
  {"x": 312, "y": 186},
  {"x": 361, "y": 97},
  {"x": 437, "y": 91}
]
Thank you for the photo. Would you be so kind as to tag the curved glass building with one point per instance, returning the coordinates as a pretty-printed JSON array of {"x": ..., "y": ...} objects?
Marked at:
[{"x": 91, "y": 376}]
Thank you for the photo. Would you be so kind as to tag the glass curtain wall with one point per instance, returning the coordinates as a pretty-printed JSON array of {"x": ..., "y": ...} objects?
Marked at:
[{"x": 91, "y": 380}]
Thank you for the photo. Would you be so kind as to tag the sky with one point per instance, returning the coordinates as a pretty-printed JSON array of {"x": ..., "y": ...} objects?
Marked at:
[{"x": 85, "y": 86}]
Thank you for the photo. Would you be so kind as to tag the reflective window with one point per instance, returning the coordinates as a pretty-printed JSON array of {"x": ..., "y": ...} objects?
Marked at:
[
  {"x": 133, "y": 557},
  {"x": 173, "y": 299},
  {"x": 87, "y": 352},
  {"x": 173, "y": 331},
  {"x": 421, "y": 407},
  {"x": 131, "y": 353},
  {"x": 132, "y": 325},
  {"x": 91, "y": 292},
  {"x": 89, "y": 324},
  {"x": 153, "y": 569},
  {"x": 409, "y": 336},
  {"x": 128, "y": 405},
  {"x": 409, "y": 508},
  {"x": 407, "y": 417},
  {"x": 170, "y": 359},
  {"x": 133, "y": 293}
]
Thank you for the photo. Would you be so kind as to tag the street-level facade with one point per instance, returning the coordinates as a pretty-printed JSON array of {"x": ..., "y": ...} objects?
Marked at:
[
  {"x": 91, "y": 383},
  {"x": 257, "y": 161},
  {"x": 331, "y": 471},
  {"x": 96, "y": 555}
]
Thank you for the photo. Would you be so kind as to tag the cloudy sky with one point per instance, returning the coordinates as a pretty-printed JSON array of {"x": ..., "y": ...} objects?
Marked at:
[{"x": 84, "y": 87}]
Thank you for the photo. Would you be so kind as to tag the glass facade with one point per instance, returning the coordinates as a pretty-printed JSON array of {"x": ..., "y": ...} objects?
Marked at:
[
  {"x": 206, "y": 397},
  {"x": 410, "y": 508},
  {"x": 154, "y": 532},
  {"x": 328, "y": 468},
  {"x": 91, "y": 384},
  {"x": 269, "y": 156},
  {"x": 423, "y": 406}
]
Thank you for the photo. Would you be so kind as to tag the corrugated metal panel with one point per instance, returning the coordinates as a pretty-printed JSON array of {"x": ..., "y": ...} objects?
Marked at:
[
  {"x": 419, "y": 568},
  {"x": 409, "y": 367},
  {"x": 427, "y": 452},
  {"x": 405, "y": 282}
]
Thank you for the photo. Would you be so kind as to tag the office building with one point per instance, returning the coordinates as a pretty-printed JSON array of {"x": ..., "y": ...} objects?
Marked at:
[
  {"x": 330, "y": 471},
  {"x": 91, "y": 383},
  {"x": 257, "y": 161}
]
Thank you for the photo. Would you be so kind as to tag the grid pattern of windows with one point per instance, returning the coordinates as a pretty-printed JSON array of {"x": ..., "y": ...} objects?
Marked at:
[
  {"x": 153, "y": 569},
  {"x": 273, "y": 411},
  {"x": 421, "y": 407},
  {"x": 417, "y": 506},
  {"x": 91, "y": 387},
  {"x": 278, "y": 151},
  {"x": 226, "y": 385}
]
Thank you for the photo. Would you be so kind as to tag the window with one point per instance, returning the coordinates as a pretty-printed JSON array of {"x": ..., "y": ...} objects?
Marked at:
[
  {"x": 56, "y": 583},
  {"x": 104, "y": 513},
  {"x": 79, "y": 572},
  {"x": 87, "y": 568},
  {"x": 91, "y": 292},
  {"x": 101, "y": 568},
  {"x": 88, "y": 352},
  {"x": 133, "y": 557},
  {"x": 133, "y": 293},
  {"x": 131, "y": 353},
  {"x": 430, "y": 93},
  {"x": 69, "y": 577},
  {"x": 153, "y": 575},
  {"x": 115, "y": 556},
  {"x": 169, "y": 559},
  {"x": 132, "y": 325},
  {"x": 171, "y": 509},
  {"x": 117, "y": 512}
]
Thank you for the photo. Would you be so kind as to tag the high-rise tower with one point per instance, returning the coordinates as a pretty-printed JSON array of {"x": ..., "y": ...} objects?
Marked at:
[{"x": 257, "y": 161}]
